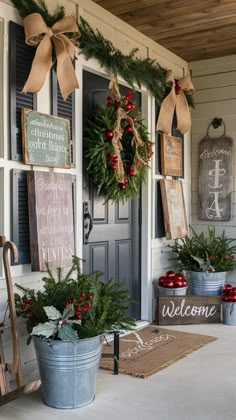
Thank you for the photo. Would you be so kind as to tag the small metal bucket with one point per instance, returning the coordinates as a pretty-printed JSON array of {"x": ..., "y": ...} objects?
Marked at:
[
  {"x": 176, "y": 291},
  {"x": 229, "y": 313},
  {"x": 68, "y": 370}
]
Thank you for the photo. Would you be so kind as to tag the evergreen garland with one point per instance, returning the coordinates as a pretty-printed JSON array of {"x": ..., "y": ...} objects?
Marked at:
[
  {"x": 101, "y": 157},
  {"x": 26, "y": 7},
  {"x": 146, "y": 72}
]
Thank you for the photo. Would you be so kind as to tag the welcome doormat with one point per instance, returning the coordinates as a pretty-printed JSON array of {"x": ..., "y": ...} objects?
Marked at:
[{"x": 150, "y": 349}]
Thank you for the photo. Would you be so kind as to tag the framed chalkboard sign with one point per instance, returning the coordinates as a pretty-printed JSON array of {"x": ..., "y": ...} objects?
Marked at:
[
  {"x": 50, "y": 219},
  {"x": 173, "y": 208},
  {"x": 45, "y": 139},
  {"x": 171, "y": 155}
]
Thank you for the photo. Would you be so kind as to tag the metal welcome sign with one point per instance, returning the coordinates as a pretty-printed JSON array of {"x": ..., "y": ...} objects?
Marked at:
[{"x": 215, "y": 178}]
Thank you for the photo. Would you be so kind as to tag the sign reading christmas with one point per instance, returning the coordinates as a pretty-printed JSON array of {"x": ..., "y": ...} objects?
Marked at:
[
  {"x": 215, "y": 178},
  {"x": 46, "y": 139},
  {"x": 50, "y": 219}
]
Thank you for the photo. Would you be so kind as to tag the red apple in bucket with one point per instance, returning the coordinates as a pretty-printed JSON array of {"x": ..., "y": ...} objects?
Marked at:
[
  {"x": 170, "y": 274},
  {"x": 168, "y": 283},
  {"x": 161, "y": 280},
  {"x": 178, "y": 276},
  {"x": 227, "y": 287},
  {"x": 178, "y": 283}
]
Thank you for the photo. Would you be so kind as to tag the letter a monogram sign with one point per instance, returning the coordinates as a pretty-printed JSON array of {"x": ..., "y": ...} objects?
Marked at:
[{"x": 215, "y": 178}]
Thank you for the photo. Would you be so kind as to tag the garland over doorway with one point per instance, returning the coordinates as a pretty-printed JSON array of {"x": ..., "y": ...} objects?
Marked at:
[{"x": 92, "y": 44}]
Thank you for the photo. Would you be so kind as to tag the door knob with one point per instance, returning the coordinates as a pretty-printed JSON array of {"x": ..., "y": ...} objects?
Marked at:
[{"x": 88, "y": 222}]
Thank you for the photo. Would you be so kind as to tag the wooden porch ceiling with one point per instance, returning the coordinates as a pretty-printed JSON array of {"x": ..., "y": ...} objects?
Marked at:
[{"x": 194, "y": 30}]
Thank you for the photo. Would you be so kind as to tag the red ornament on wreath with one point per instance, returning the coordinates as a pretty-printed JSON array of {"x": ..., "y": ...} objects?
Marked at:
[{"x": 126, "y": 148}]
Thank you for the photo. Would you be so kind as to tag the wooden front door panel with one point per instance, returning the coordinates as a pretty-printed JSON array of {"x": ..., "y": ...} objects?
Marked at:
[{"x": 114, "y": 242}]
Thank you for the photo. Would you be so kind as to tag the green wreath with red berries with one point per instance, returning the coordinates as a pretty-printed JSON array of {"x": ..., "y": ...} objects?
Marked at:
[{"x": 117, "y": 148}]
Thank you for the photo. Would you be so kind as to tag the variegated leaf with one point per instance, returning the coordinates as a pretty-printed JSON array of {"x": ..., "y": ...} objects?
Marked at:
[
  {"x": 52, "y": 313},
  {"x": 46, "y": 330},
  {"x": 66, "y": 332}
]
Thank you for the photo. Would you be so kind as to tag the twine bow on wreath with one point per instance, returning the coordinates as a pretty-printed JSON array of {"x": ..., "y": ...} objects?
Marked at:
[
  {"x": 63, "y": 34},
  {"x": 176, "y": 99},
  {"x": 136, "y": 141}
]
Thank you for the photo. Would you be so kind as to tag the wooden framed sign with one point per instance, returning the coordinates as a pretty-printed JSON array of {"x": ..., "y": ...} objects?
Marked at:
[
  {"x": 182, "y": 310},
  {"x": 50, "y": 219},
  {"x": 173, "y": 208},
  {"x": 171, "y": 155},
  {"x": 46, "y": 139},
  {"x": 215, "y": 179}
]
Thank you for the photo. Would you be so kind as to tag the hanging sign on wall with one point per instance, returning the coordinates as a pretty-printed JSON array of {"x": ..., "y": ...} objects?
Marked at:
[
  {"x": 46, "y": 139},
  {"x": 171, "y": 155},
  {"x": 173, "y": 208},
  {"x": 50, "y": 219},
  {"x": 215, "y": 178}
]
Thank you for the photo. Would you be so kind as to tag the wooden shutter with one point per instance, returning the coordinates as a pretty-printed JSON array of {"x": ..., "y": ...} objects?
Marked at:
[
  {"x": 20, "y": 217},
  {"x": 64, "y": 109},
  {"x": 21, "y": 57}
]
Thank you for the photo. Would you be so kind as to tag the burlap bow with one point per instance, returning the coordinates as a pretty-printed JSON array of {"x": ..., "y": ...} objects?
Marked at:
[
  {"x": 63, "y": 35},
  {"x": 176, "y": 101},
  {"x": 136, "y": 141}
]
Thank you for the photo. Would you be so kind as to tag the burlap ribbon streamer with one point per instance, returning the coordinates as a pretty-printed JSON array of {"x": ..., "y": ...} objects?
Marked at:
[
  {"x": 63, "y": 35},
  {"x": 136, "y": 141},
  {"x": 176, "y": 101}
]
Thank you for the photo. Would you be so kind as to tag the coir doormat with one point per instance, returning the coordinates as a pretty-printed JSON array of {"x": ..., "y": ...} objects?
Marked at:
[{"x": 150, "y": 349}]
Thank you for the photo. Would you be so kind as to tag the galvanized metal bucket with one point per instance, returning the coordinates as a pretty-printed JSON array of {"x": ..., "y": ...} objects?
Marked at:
[
  {"x": 176, "y": 291},
  {"x": 68, "y": 370},
  {"x": 229, "y": 313},
  {"x": 206, "y": 284}
]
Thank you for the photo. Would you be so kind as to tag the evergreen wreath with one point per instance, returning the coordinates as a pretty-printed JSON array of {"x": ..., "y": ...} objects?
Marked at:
[
  {"x": 146, "y": 72},
  {"x": 117, "y": 147}
]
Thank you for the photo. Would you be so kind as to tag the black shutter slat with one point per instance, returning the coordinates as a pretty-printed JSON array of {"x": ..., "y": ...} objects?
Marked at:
[
  {"x": 159, "y": 216},
  {"x": 20, "y": 216},
  {"x": 20, "y": 60},
  {"x": 63, "y": 109}
]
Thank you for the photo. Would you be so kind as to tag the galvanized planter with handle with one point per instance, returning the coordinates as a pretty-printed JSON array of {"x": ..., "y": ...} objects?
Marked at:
[
  {"x": 68, "y": 370},
  {"x": 205, "y": 283}
]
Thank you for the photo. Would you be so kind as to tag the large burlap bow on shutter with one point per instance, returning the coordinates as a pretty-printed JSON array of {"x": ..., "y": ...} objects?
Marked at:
[
  {"x": 176, "y": 101},
  {"x": 39, "y": 35}
]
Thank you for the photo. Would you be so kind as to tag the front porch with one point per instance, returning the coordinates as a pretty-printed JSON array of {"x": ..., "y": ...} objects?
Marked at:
[{"x": 200, "y": 386}]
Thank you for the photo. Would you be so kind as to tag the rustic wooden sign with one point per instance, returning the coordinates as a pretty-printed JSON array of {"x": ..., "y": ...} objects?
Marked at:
[
  {"x": 50, "y": 219},
  {"x": 46, "y": 139},
  {"x": 181, "y": 310},
  {"x": 173, "y": 208},
  {"x": 171, "y": 155},
  {"x": 215, "y": 179}
]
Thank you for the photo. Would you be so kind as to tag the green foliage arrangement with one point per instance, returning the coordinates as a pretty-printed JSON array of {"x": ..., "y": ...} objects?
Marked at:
[
  {"x": 74, "y": 305},
  {"x": 102, "y": 161},
  {"x": 146, "y": 72},
  {"x": 210, "y": 252}
]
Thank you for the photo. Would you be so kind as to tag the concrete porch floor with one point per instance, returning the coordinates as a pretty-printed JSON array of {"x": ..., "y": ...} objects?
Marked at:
[{"x": 200, "y": 386}]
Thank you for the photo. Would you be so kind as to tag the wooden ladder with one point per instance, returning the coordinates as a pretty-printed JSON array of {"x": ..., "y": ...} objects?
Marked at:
[{"x": 6, "y": 394}]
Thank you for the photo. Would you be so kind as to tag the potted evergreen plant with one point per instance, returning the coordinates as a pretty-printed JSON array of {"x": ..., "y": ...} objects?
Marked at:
[
  {"x": 67, "y": 321},
  {"x": 206, "y": 260}
]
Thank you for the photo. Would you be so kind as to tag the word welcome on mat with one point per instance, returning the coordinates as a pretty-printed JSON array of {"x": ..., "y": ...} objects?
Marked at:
[{"x": 150, "y": 349}]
